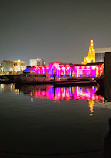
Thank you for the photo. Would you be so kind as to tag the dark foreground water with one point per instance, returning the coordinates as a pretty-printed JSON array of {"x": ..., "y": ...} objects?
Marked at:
[{"x": 42, "y": 121}]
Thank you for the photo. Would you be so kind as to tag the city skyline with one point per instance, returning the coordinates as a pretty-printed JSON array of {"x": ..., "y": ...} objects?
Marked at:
[{"x": 58, "y": 30}]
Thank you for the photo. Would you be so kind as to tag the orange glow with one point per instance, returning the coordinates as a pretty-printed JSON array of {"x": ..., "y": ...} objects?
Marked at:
[{"x": 91, "y": 106}]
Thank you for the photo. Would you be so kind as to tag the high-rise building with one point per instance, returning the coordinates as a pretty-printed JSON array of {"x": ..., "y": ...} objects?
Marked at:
[
  {"x": 100, "y": 53},
  {"x": 35, "y": 62}
]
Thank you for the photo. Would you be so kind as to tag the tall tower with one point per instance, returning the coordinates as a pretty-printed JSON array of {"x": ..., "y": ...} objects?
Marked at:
[{"x": 91, "y": 54}]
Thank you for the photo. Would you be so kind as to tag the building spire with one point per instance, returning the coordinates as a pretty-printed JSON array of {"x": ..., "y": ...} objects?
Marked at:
[
  {"x": 91, "y": 54},
  {"x": 92, "y": 44}
]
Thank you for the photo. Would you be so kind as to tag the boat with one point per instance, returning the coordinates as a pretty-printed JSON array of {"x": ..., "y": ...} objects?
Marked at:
[
  {"x": 82, "y": 81},
  {"x": 35, "y": 78}
]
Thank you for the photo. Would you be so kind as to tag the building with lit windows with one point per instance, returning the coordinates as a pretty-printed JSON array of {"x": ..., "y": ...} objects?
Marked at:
[
  {"x": 34, "y": 62},
  {"x": 12, "y": 66}
]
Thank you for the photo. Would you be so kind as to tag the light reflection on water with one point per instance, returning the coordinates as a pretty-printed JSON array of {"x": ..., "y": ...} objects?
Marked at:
[
  {"x": 64, "y": 93},
  {"x": 46, "y": 128},
  {"x": 56, "y": 94}
]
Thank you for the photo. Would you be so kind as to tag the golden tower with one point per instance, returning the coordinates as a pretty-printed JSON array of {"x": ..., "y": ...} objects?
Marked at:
[{"x": 91, "y": 54}]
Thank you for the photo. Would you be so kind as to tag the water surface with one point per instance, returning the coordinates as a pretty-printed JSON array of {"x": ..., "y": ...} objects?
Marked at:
[{"x": 42, "y": 120}]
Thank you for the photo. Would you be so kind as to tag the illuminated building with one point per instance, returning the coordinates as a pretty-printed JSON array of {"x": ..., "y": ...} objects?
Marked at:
[
  {"x": 95, "y": 55},
  {"x": 12, "y": 66},
  {"x": 89, "y": 68},
  {"x": 91, "y": 54},
  {"x": 35, "y": 62},
  {"x": 62, "y": 70}
]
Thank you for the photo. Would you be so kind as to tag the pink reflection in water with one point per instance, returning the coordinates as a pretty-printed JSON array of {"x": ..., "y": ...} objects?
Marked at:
[{"x": 66, "y": 93}]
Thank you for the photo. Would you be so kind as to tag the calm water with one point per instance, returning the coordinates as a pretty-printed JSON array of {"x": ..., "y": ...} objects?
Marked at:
[{"x": 62, "y": 121}]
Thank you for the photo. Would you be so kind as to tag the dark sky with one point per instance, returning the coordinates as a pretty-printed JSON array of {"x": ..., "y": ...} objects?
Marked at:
[{"x": 55, "y": 30}]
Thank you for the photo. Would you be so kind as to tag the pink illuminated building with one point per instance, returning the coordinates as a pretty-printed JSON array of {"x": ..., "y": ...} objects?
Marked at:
[{"x": 58, "y": 69}]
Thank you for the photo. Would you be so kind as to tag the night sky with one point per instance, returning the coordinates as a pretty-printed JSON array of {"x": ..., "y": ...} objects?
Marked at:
[{"x": 55, "y": 30}]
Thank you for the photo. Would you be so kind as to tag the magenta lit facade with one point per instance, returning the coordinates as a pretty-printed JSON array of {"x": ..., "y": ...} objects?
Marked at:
[{"x": 66, "y": 70}]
